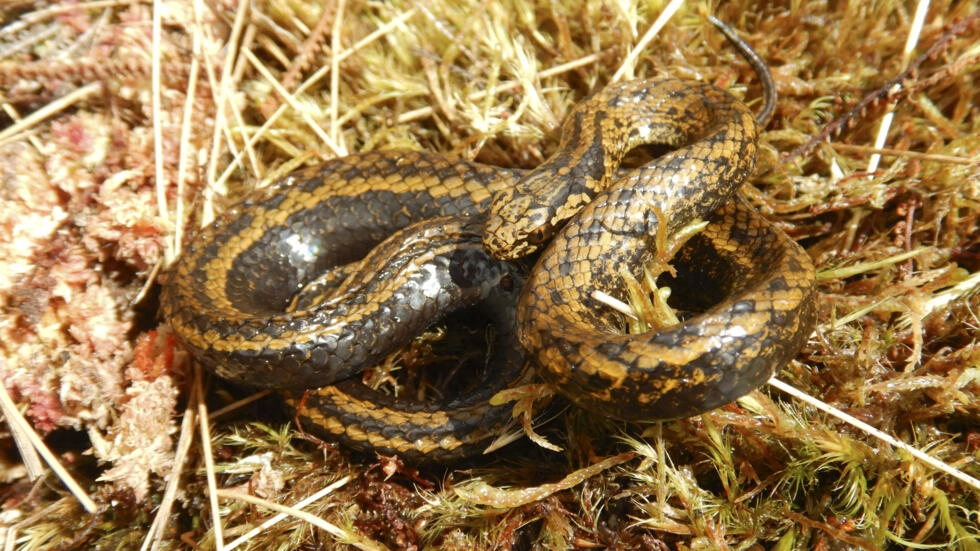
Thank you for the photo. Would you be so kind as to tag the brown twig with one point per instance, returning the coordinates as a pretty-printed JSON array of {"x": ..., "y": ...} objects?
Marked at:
[
  {"x": 290, "y": 79},
  {"x": 898, "y": 87}
]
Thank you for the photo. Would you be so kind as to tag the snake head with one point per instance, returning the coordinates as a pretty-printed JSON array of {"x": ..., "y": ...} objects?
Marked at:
[{"x": 516, "y": 226}]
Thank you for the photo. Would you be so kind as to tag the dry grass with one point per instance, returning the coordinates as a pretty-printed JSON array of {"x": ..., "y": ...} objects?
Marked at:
[{"x": 127, "y": 124}]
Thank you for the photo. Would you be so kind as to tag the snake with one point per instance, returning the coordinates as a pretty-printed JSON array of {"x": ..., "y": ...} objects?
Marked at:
[
  {"x": 255, "y": 297},
  {"x": 424, "y": 234}
]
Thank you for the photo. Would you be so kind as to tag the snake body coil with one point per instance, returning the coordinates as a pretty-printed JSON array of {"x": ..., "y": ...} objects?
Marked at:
[
  {"x": 227, "y": 295},
  {"x": 231, "y": 297},
  {"x": 767, "y": 306}
]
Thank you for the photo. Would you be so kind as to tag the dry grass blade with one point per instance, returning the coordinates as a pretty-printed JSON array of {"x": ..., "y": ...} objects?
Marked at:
[
  {"x": 155, "y": 91},
  {"x": 31, "y": 445},
  {"x": 30, "y": 121},
  {"x": 155, "y": 533},
  {"x": 885, "y": 437},
  {"x": 279, "y": 517},
  {"x": 208, "y": 455},
  {"x": 915, "y": 30},
  {"x": 627, "y": 67},
  {"x": 343, "y": 536}
]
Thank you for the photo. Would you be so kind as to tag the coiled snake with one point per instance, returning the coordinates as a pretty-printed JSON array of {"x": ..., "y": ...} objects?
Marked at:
[{"x": 239, "y": 297}]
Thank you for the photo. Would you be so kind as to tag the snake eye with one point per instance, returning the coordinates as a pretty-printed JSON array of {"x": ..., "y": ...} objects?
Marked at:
[{"x": 538, "y": 235}]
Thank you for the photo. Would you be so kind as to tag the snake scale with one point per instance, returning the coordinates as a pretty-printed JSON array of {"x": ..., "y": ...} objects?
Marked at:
[{"x": 423, "y": 234}]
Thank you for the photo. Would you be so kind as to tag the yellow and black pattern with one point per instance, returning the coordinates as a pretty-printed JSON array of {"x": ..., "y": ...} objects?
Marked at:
[
  {"x": 237, "y": 298},
  {"x": 765, "y": 286},
  {"x": 228, "y": 293},
  {"x": 709, "y": 360},
  {"x": 460, "y": 424}
]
